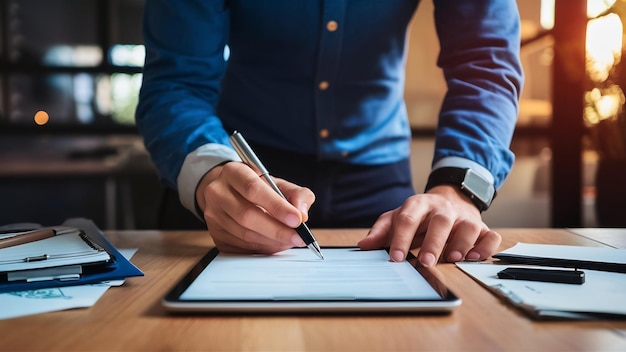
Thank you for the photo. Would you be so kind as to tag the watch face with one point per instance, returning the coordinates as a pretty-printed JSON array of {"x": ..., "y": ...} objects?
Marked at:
[{"x": 478, "y": 187}]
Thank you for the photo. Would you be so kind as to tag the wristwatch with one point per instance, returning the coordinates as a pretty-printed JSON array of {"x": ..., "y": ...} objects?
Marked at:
[{"x": 479, "y": 190}]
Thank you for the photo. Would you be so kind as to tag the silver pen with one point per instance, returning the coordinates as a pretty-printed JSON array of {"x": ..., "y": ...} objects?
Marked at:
[{"x": 247, "y": 155}]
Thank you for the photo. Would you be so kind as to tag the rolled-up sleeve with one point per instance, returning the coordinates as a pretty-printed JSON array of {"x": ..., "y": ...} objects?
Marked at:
[
  {"x": 480, "y": 42},
  {"x": 185, "y": 62}
]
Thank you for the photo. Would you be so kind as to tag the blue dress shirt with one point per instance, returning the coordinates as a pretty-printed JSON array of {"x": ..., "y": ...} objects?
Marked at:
[{"x": 321, "y": 77}]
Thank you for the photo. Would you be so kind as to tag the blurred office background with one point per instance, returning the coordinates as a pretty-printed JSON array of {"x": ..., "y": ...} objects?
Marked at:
[{"x": 70, "y": 72}]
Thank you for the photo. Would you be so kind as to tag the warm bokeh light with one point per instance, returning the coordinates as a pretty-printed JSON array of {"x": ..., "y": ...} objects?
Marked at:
[
  {"x": 603, "y": 51},
  {"x": 602, "y": 104},
  {"x": 547, "y": 14},
  {"x": 597, "y": 7},
  {"x": 603, "y": 46},
  {"x": 594, "y": 8},
  {"x": 41, "y": 118}
]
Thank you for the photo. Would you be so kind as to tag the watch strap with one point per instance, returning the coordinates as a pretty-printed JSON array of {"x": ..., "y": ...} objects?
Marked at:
[{"x": 456, "y": 176}]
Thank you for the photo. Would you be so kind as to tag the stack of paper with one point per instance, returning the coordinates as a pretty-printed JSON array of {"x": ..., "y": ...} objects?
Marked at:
[
  {"x": 79, "y": 255},
  {"x": 602, "y": 295}
]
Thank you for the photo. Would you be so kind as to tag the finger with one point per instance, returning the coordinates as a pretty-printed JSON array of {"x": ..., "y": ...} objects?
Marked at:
[
  {"x": 252, "y": 224},
  {"x": 406, "y": 221},
  {"x": 235, "y": 222},
  {"x": 462, "y": 239},
  {"x": 228, "y": 210},
  {"x": 378, "y": 235},
  {"x": 301, "y": 197},
  {"x": 224, "y": 229},
  {"x": 226, "y": 242},
  {"x": 488, "y": 242},
  {"x": 439, "y": 228},
  {"x": 232, "y": 232},
  {"x": 257, "y": 191}
]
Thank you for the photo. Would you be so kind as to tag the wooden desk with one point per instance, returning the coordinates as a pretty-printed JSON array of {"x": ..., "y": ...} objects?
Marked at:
[{"x": 130, "y": 317}]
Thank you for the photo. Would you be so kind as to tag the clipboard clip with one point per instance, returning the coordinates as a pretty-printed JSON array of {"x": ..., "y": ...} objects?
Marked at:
[
  {"x": 37, "y": 258},
  {"x": 65, "y": 273}
]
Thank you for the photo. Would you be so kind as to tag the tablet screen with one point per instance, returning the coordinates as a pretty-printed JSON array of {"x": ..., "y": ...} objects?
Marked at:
[{"x": 296, "y": 279}]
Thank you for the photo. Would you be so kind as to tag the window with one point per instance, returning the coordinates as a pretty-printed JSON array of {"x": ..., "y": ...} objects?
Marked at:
[{"x": 79, "y": 61}]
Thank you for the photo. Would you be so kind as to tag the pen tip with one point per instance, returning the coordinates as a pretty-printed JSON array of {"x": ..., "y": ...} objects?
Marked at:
[{"x": 318, "y": 250}]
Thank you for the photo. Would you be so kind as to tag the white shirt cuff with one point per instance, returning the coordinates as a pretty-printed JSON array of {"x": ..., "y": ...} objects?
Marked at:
[{"x": 195, "y": 166}]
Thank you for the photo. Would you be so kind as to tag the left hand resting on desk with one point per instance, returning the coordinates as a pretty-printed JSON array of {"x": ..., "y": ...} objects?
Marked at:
[{"x": 443, "y": 221}]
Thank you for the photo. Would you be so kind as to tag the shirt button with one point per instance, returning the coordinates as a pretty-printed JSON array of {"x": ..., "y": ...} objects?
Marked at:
[
  {"x": 331, "y": 26},
  {"x": 324, "y": 133},
  {"x": 323, "y": 85}
]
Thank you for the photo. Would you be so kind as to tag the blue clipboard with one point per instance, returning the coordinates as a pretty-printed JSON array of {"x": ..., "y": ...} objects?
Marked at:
[{"x": 117, "y": 269}]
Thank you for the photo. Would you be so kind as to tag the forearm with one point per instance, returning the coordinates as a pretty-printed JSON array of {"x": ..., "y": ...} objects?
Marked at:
[
  {"x": 184, "y": 65},
  {"x": 480, "y": 60}
]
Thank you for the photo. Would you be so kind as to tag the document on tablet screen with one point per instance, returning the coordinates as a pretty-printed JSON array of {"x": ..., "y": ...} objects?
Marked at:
[{"x": 295, "y": 274}]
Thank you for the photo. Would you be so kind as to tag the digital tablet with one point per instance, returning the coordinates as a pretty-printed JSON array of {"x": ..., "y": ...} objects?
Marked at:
[{"x": 295, "y": 280}]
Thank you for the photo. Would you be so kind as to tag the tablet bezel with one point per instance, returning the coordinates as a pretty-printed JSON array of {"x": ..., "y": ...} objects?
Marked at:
[{"x": 172, "y": 302}]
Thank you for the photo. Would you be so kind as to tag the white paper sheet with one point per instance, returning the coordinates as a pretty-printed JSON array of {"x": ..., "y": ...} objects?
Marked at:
[
  {"x": 295, "y": 274},
  {"x": 583, "y": 253},
  {"x": 22, "y": 303},
  {"x": 66, "y": 249},
  {"x": 602, "y": 292}
]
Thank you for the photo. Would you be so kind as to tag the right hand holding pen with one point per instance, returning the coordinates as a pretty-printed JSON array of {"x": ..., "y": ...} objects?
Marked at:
[{"x": 244, "y": 214}]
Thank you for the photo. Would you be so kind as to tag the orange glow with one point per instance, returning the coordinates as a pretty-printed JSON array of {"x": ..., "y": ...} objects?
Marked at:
[
  {"x": 41, "y": 118},
  {"x": 603, "y": 104},
  {"x": 604, "y": 52},
  {"x": 604, "y": 46}
]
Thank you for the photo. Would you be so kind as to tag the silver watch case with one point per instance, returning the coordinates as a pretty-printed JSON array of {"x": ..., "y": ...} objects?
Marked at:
[{"x": 478, "y": 188}]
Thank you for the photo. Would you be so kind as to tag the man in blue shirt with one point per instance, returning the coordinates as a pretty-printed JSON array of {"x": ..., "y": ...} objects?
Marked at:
[{"x": 316, "y": 87}]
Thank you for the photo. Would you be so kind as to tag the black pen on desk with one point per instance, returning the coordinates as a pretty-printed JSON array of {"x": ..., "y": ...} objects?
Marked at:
[
  {"x": 247, "y": 155},
  {"x": 27, "y": 237}
]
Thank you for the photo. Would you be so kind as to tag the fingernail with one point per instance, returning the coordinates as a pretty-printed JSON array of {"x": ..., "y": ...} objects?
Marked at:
[
  {"x": 428, "y": 260},
  {"x": 303, "y": 207},
  {"x": 292, "y": 221},
  {"x": 472, "y": 256},
  {"x": 397, "y": 256},
  {"x": 455, "y": 256},
  {"x": 297, "y": 241}
]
